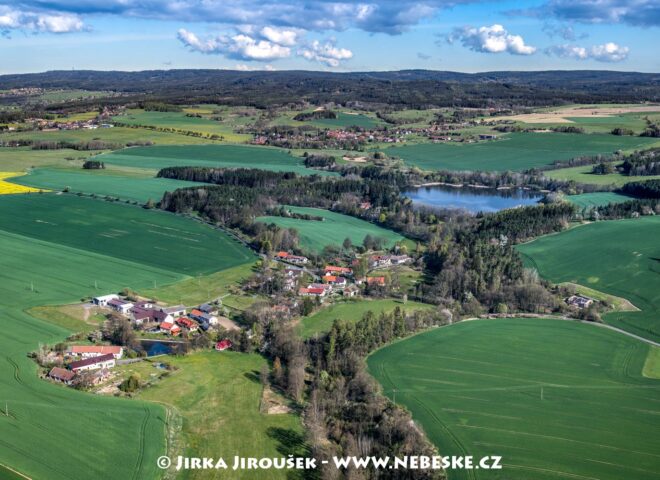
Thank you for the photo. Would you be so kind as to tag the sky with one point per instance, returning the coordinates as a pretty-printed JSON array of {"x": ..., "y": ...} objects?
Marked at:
[{"x": 332, "y": 35}]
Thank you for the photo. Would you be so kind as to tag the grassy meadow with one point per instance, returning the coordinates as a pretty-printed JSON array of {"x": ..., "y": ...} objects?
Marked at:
[
  {"x": 620, "y": 257},
  {"x": 515, "y": 151},
  {"x": 556, "y": 399},
  {"x": 315, "y": 234},
  {"x": 179, "y": 121},
  {"x": 352, "y": 311},
  {"x": 219, "y": 156},
  {"x": 23, "y": 158},
  {"x": 102, "y": 183},
  {"x": 218, "y": 397},
  {"x": 597, "y": 199},
  {"x": 154, "y": 238},
  {"x": 583, "y": 174}
]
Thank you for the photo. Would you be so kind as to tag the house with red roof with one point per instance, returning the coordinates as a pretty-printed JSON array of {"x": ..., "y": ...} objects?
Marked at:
[
  {"x": 379, "y": 281},
  {"x": 62, "y": 375},
  {"x": 334, "y": 270},
  {"x": 187, "y": 323},
  {"x": 90, "y": 351},
  {"x": 312, "y": 292},
  {"x": 170, "y": 328}
]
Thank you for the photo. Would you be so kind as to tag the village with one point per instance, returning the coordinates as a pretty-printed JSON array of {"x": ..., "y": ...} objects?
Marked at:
[{"x": 133, "y": 322}]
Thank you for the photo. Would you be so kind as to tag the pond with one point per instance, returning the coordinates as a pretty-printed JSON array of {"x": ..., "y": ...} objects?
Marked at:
[
  {"x": 157, "y": 347},
  {"x": 472, "y": 199}
]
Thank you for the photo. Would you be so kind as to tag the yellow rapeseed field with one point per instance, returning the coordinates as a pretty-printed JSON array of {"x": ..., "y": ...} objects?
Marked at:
[{"x": 7, "y": 188}]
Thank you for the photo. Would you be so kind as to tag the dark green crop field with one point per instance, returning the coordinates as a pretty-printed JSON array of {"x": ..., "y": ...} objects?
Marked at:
[
  {"x": 555, "y": 399},
  {"x": 597, "y": 199},
  {"x": 227, "y": 156},
  {"x": 138, "y": 189},
  {"x": 153, "y": 238},
  {"x": 515, "y": 151},
  {"x": 621, "y": 258}
]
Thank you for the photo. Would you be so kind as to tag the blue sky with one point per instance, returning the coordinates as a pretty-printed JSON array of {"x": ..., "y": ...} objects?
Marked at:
[{"x": 336, "y": 35}]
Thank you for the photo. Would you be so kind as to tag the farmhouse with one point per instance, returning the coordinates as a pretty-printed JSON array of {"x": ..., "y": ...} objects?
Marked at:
[
  {"x": 62, "y": 375},
  {"x": 579, "y": 301},
  {"x": 103, "y": 361},
  {"x": 379, "y": 261},
  {"x": 207, "y": 308},
  {"x": 103, "y": 300},
  {"x": 91, "y": 351},
  {"x": 333, "y": 270},
  {"x": 351, "y": 291},
  {"x": 379, "y": 281},
  {"x": 287, "y": 257},
  {"x": 170, "y": 328},
  {"x": 188, "y": 324},
  {"x": 335, "y": 281},
  {"x": 312, "y": 292}
]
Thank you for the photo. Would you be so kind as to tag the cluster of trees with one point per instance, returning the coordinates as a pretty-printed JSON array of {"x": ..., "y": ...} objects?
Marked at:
[
  {"x": 93, "y": 165},
  {"x": 645, "y": 189},
  {"x": 620, "y": 131},
  {"x": 83, "y": 146},
  {"x": 180, "y": 131},
  {"x": 315, "y": 115},
  {"x": 314, "y": 160},
  {"x": 641, "y": 163}
]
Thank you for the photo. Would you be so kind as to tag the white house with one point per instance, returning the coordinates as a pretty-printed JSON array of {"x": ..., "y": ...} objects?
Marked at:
[
  {"x": 175, "y": 311},
  {"x": 121, "y": 306},
  {"x": 103, "y": 300},
  {"x": 91, "y": 351}
]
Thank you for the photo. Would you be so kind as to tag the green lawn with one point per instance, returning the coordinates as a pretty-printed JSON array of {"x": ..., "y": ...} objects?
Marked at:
[
  {"x": 597, "y": 199},
  {"x": 152, "y": 238},
  {"x": 353, "y": 311},
  {"x": 515, "y": 151},
  {"x": 621, "y": 258},
  {"x": 344, "y": 120},
  {"x": 102, "y": 183},
  {"x": 218, "y": 395},
  {"x": 583, "y": 175},
  {"x": 555, "y": 399},
  {"x": 179, "y": 121},
  {"x": 314, "y": 234},
  {"x": 219, "y": 156}
]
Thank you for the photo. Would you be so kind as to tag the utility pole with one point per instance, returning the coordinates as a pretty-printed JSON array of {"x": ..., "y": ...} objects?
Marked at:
[{"x": 394, "y": 395}]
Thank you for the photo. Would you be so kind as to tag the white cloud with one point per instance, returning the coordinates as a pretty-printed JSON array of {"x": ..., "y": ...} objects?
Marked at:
[
  {"x": 242, "y": 67},
  {"x": 239, "y": 46},
  {"x": 326, "y": 53},
  {"x": 492, "y": 39},
  {"x": 608, "y": 52},
  {"x": 14, "y": 19},
  {"x": 280, "y": 36}
]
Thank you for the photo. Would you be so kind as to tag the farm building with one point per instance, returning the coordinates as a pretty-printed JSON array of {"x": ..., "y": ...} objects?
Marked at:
[
  {"x": 579, "y": 301},
  {"x": 103, "y": 361},
  {"x": 335, "y": 280},
  {"x": 297, "y": 259},
  {"x": 380, "y": 281},
  {"x": 91, "y": 351},
  {"x": 175, "y": 311},
  {"x": 121, "y": 306},
  {"x": 312, "y": 292},
  {"x": 62, "y": 375},
  {"x": 206, "y": 308},
  {"x": 103, "y": 300},
  {"x": 351, "y": 291}
]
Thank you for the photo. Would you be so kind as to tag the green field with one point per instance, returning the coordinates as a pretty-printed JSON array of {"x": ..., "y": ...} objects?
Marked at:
[
  {"x": 621, "y": 258},
  {"x": 218, "y": 396},
  {"x": 314, "y": 234},
  {"x": 118, "y": 135},
  {"x": 352, "y": 311},
  {"x": 102, "y": 183},
  {"x": 155, "y": 238},
  {"x": 219, "y": 156},
  {"x": 515, "y": 151},
  {"x": 23, "y": 158},
  {"x": 58, "y": 249},
  {"x": 597, "y": 199},
  {"x": 555, "y": 399},
  {"x": 179, "y": 121},
  {"x": 583, "y": 175},
  {"x": 344, "y": 120}
]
